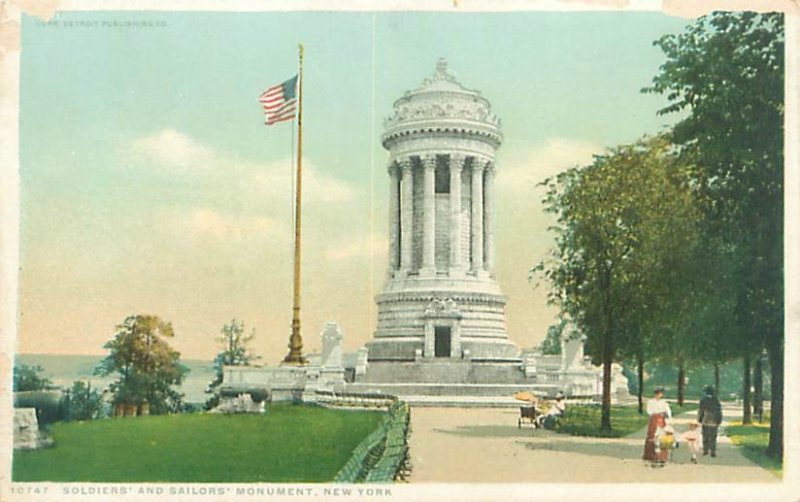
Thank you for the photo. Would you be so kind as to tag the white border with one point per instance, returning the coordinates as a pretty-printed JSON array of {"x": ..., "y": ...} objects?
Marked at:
[{"x": 789, "y": 489}]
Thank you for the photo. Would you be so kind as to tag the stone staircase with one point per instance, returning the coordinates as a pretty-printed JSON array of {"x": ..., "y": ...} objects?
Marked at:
[{"x": 448, "y": 372}]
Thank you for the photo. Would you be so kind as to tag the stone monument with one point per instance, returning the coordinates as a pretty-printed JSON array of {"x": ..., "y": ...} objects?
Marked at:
[
  {"x": 441, "y": 331},
  {"x": 441, "y": 300},
  {"x": 441, "y": 315}
]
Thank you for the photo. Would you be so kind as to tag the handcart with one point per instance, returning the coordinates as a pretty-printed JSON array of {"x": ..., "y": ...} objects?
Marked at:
[{"x": 527, "y": 414}]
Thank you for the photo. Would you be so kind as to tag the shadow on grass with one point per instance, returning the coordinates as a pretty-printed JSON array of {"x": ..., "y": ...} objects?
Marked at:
[{"x": 752, "y": 441}]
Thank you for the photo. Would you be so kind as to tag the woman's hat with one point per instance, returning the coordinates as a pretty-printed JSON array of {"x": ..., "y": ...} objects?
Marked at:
[{"x": 709, "y": 390}]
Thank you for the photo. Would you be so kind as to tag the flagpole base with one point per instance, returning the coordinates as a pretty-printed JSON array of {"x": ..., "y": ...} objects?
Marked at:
[
  {"x": 294, "y": 360},
  {"x": 295, "y": 356}
]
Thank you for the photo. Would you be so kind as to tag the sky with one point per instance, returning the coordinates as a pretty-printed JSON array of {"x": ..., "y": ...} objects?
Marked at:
[{"x": 150, "y": 185}]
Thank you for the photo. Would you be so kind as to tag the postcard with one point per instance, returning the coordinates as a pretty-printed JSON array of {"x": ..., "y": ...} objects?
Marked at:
[{"x": 406, "y": 251}]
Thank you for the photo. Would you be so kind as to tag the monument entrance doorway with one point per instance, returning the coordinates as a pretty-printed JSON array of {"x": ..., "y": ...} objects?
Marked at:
[{"x": 441, "y": 347}]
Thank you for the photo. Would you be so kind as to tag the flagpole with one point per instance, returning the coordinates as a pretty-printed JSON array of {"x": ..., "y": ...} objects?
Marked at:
[{"x": 295, "y": 356}]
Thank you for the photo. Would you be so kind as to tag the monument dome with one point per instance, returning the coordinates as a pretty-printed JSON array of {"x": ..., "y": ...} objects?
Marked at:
[{"x": 442, "y": 106}]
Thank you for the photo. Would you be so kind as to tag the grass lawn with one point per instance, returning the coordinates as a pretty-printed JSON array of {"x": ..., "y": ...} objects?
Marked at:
[
  {"x": 752, "y": 441},
  {"x": 288, "y": 443},
  {"x": 584, "y": 420}
]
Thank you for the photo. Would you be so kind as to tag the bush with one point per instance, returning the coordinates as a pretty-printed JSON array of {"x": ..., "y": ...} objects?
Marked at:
[
  {"x": 29, "y": 378},
  {"x": 212, "y": 402},
  {"x": 191, "y": 408},
  {"x": 47, "y": 404},
  {"x": 259, "y": 395},
  {"x": 81, "y": 402}
]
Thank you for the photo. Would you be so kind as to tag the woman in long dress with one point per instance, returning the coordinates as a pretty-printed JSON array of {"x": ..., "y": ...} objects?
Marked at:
[{"x": 660, "y": 414}]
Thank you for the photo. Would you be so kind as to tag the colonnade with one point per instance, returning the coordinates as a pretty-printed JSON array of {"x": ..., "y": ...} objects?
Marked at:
[{"x": 481, "y": 211}]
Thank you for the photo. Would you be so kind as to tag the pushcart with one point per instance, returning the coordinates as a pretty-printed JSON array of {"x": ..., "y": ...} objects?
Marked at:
[{"x": 527, "y": 414}]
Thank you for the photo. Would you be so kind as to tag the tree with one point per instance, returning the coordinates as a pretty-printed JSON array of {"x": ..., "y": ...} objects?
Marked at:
[
  {"x": 551, "y": 345},
  {"x": 147, "y": 366},
  {"x": 27, "y": 378},
  {"x": 235, "y": 353},
  {"x": 727, "y": 71},
  {"x": 621, "y": 223},
  {"x": 81, "y": 402}
]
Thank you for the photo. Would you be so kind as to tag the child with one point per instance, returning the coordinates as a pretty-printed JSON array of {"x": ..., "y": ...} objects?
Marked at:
[
  {"x": 665, "y": 441},
  {"x": 692, "y": 438}
]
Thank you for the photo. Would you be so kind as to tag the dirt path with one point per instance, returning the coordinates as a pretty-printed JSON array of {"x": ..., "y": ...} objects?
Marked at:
[{"x": 485, "y": 445}]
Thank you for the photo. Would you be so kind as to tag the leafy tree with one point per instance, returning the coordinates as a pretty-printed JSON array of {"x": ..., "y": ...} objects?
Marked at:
[
  {"x": 727, "y": 71},
  {"x": 27, "y": 378},
  {"x": 81, "y": 402},
  {"x": 235, "y": 353},
  {"x": 551, "y": 345},
  {"x": 147, "y": 366},
  {"x": 622, "y": 225}
]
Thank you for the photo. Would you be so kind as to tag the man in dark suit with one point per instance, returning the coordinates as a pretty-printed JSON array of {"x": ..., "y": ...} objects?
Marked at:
[{"x": 709, "y": 414}]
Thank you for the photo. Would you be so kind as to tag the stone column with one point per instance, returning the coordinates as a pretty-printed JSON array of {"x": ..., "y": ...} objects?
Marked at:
[
  {"x": 430, "y": 339},
  {"x": 406, "y": 216},
  {"x": 394, "y": 218},
  {"x": 455, "y": 339},
  {"x": 477, "y": 214},
  {"x": 429, "y": 213},
  {"x": 456, "y": 164},
  {"x": 488, "y": 217}
]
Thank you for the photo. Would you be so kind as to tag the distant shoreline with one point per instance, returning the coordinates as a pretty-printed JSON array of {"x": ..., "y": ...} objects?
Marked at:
[
  {"x": 93, "y": 356},
  {"x": 64, "y": 369}
]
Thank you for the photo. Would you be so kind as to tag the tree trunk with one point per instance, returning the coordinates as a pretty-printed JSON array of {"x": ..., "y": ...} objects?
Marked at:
[
  {"x": 775, "y": 350},
  {"x": 681, "y": 380},
  {"x": 640, "y": 390},
  {"x": 605, "y": 417},
  {"x": 746, "y": 415},
  {"x": 608, "y": 352},
  {"x": 716, "y": 380},
  {"x": 758, "y": 388}
]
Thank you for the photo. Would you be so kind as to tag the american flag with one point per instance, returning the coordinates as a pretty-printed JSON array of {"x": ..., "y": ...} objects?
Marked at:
[{"x": 280, "y": 101}]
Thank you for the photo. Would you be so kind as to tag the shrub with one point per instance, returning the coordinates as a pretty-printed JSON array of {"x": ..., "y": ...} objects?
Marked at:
[{"x": 81, "y": 402}]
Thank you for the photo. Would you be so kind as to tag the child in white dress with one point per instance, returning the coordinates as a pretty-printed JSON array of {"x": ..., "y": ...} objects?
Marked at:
[{"x": 692, "y": 439}]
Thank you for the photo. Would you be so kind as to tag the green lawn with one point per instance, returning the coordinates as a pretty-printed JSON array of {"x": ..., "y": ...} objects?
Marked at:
[
  {"x": 584, "y": 420},
  {"x": 288, "y": 443},
  {"x": 752, "y": 441}
]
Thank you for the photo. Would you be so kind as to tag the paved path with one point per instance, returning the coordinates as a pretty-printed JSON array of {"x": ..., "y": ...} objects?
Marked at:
[{"x": 485, "y": 445}]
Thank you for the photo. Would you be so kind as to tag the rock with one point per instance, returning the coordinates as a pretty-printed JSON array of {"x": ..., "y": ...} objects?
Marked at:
[{"x": 26, "y": 430}]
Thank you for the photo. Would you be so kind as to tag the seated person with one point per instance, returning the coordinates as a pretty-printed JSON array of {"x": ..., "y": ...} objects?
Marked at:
[{"x": 557, "y": 409}]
